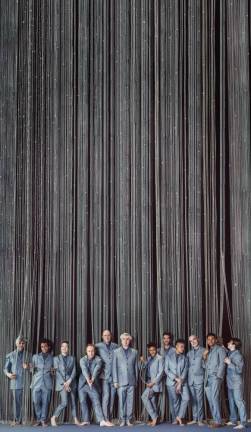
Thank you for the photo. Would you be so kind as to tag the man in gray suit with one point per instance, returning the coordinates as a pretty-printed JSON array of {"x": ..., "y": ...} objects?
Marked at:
[
  {"x": 154, "y": 367},
  {"x": 65, "y": 367},
  {"x": 105, "y": 351},
  {"x": 14, "y": 369},
  {"x": 88, "y": 385},
  {"x": 214, "y": 365},
  {"x": 42, "y": 365},
  {"x": 167, "y": 348},
  {"x": 196, "y": 374},
  {"x": 235, "y": 366},
  {"x": 125, "y": 377},
  {"x": 176, "y": 369}
]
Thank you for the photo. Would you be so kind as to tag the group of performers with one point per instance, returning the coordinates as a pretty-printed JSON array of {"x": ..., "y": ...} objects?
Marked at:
[{"x": 107, "y": 369}]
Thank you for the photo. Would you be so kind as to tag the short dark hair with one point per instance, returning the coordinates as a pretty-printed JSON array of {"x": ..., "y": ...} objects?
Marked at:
[
  {"x": 151, "y": 344},
  {"x": 166, "y": 333},
  {"x": 236, "y": 342},
  {"x": 212, "y": 334},
  {"x": 182, "y": 341},
  {"x": 46, "y": 341}
]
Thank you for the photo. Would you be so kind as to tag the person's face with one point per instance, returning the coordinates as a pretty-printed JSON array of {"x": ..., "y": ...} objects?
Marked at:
[
  {"x": 167, "y": 340},
  {"x": 180, "y": 348},
  {"x": 107, "y": 337},
  {"x": 211, "y": 341},
  {"x": 194, "y": 341},
  {"x": 44, "y": 347},
  {"x": 90, "y": 351},
  {"x": 125, "y": 341},
  {"x": 152, "y": 351},
  {"x": 64, "y": 349},
  {"x": 231, "y": 346},
  {"x": 20, "y": 345}
]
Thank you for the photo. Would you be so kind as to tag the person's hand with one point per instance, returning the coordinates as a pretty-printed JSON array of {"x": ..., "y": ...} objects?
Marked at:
[
  {"x": 116, "y": 385},
  {"x": 178, "y": 380},
  {"x": 227, "y": 360},
  {"x": 26, "y": 365},
  {"x": 142, "y": 359},
  {"x": 11, "y": 376},
  {"x": 67, "y": 385},
  {"x": 150, "y": 385},
  {"x": 205, "y": 354}
]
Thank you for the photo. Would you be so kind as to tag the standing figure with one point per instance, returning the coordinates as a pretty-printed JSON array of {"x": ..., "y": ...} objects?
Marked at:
[
  {"x": 235, "y": 366},
  {"x": 14, "y": 369},
  {"x": 65, "y": 368},
  {"x": 42, "y": 365},
  {"x": 176, "y": 369},
  {"x": 166, "y": 349},
  {"x": 196, "y": 374},
  {"x": 105, "y": 351},
  {"x": 154, "y": 367},
  {"x": 88, "y": 385},
  {"x": 125, "y": 377},
  {"x": 214, "y": 365}
]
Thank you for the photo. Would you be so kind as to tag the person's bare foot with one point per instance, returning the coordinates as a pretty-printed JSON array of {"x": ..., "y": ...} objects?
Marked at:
[
  {"x": 154, "y": 422},
  {"x": 44, "y": 424},
  {"x": 179, "y": 421},
  {"x": 53, "y": 421}
]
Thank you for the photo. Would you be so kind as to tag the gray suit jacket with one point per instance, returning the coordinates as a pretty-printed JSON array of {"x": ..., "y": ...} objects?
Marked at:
[
  {"x": 91, "y": 371},
  {"x": 214, "y": 365},
  {"x": 176, "y": 367},
  {"x": 235, "y": 370},
  {"x": 156, "y": 371},
  {"x": 106, "y": 354},
  {"x": 63, "y": 373},
  {"x": 14, "y": 364},
  {"x": 164, "y": 352},
  {"x": 41, "y": 368},
  {"x": 196, "y": 370},
  {"x": 125, "y": 369}
]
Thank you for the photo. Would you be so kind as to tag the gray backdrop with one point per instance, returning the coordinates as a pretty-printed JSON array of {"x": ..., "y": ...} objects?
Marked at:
[{"x": 125, "y": 171}]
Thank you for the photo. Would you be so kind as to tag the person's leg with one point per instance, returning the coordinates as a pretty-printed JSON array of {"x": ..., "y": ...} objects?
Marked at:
[
  {"x": 129, "y": 403},
  {"x": 183, "y": 403},
  {"x": 82, "y": 394},
  {"x": 149, "y": 401},
  {"x": 96, "y": 405},
  {"x": 17, "y": 404},
  {"x": 215, "y": 395},
  {"x": 122, "y": 394},
  {"x": 46, "y": 397},
  {"x": 105, "y": 398},
  {"x": 199, "y": 390},
  {"x": 170, "y": 403},
  {"x": 240, "y": 403},
  {"x": 112, "y": 398},
  {"x": 194, "y": 402},
  {"x": 63, "y": 403},
  {"x": 209, "y": 397},
  {"x": 174, "y": 402},
  {"x": 37, "y": 402},
  {"x": 232, "y": 407}
]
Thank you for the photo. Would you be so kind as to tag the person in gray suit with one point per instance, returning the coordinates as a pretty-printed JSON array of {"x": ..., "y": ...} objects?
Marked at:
[
  {"x": 235, "y": 366},
  {"x": 167, "y": 348},
  {"x": 41, "y": 366},
  {"x": 88, "y": 385},
  {"x": 154, "y": 367},
  {"x": 125, "y": 377},
  {"x": 196, "y": 374},
  {"x": 105, "y": 351},
  {"x": 176, "y": 369},
  {"x": 214, "y": 365},
  {"x": 14, "y": 369},
  {"x": 65, "y": 368}
]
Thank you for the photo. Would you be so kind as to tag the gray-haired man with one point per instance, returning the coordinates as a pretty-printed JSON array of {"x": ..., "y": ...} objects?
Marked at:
[
  {"x": 125, "y": 377},
  {"x": 196, "y": 374}
]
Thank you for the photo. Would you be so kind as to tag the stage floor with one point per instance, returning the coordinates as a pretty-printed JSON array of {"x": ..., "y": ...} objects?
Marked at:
[{"x": 95, "y": 428}]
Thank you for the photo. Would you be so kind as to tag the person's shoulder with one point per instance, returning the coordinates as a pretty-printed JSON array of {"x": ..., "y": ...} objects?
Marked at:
[
  {"x": 98, "y": 359},
  {"x": 135, "y": 352},
  {"x": 159, "y": 357},
  {"x": 11, "y": 354},
  {"x": 117, "y": 350},
  {"x": 114, "y": 345},
  {"x": 99, "y": 345}
]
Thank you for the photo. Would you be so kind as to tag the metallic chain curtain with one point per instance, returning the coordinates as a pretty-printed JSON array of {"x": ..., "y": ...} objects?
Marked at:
[{"x": 125, "y": 171}]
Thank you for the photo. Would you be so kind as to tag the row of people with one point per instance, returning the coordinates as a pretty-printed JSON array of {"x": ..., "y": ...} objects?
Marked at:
[{"x": 108, "y": 368}]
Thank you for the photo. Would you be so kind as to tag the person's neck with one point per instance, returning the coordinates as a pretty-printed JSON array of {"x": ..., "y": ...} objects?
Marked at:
[
  {"x": 125, "y": 348},
  {"x": 64, "y": 354},
  {"x": 167, "y": 346},
  {"x": 90, "y": 358}
]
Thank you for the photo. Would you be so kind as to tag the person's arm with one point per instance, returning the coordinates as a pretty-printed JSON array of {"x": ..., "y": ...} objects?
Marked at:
[
  {"x": 222, "y": 365},
  {"x": 183, "y": 376},
  {"x": 236, "y": 363},
  {"x": 97, "y": 368},
  {"x": 159, "y": 375},
  {"x": 115, "y": 370},
  {"x": 84, "y": 369},
  {"x": 8, "y": 367},
  {"x": 136, "y": 366},
  {"x": 73, "y": 372}
]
